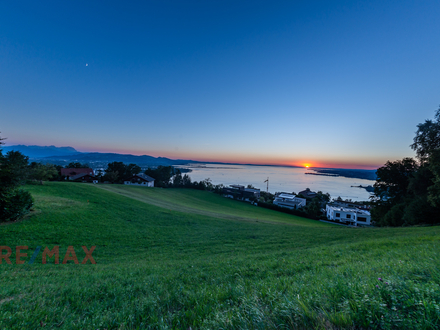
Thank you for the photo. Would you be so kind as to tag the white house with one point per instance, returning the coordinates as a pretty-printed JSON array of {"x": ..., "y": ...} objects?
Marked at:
[
  {"x": 350, "y": 216},
  {"x": 140, "y": 179},
  {"x": 289, "y": 201}
]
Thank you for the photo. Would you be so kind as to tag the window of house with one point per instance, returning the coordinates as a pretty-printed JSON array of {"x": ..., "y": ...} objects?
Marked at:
[
  {"x": 338, "y": 215},
  {"x": 362, "y": 219},
  {"x": 348, "y": 216}
]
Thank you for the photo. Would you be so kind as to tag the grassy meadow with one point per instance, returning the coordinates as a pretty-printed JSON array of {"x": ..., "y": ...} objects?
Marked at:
[{"x": 188, "y": 259}]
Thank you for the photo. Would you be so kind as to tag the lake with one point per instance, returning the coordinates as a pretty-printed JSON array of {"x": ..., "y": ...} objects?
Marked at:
[{"x": 281, "y": 179}]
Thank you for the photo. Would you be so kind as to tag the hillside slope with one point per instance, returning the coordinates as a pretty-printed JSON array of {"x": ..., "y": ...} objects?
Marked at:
[
  {"x": 161, "y": 264},
  {"x": 208, "y": 204}
]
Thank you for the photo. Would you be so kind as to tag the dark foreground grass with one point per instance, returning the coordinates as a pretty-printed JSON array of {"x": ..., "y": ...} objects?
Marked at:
[{"x": 159, "y": 268}]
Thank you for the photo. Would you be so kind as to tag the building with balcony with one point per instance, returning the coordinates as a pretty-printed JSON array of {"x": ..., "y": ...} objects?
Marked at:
[
  {"x": 289, "y": 201},
  {"x": 346, "y": 215},
  {"x": 240, "y": 192}
]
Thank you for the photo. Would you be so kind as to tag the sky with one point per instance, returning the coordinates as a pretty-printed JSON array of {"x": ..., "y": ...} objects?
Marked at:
[{"x": 323, "y": 83}]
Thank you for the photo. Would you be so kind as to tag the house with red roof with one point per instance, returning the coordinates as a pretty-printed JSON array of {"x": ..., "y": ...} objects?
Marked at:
[{"x": 69, "y": 173}]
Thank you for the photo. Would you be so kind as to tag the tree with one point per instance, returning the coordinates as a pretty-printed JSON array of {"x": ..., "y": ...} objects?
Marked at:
[
  {"x": 207, "y": 183},
  {"x": 117, "y": 172},
  {"x": 186, "y": 181},
  {"x": 161, "y": 174},
  {"x": 14, "y": 202},
  {"x": 421, "y": 180},
  {"x": 267, "y": 196},
  {"x": 434, "y": 190},
  {"x": 178, "y": 180},
  {"x": 427, "y": 138},
  {"x": 42, "y": 172},
  {"x": 313, "y": 208},
  {"x": 427, "y": 146},
  {"x": 218, "y": 189},
  {"x": 112, "y": 176},
  {"x": 77, "y": 165},
  {"x": 14, "y": 169},
  {"x": 393, "y": 179},
  {"x": 114, "y": 172},
  {"x": 99, "y": 175},
  {"x": 407, "y": 192},
  {"x": 418, "y": 210},
  {"x": 391, "y": 191},
  {"x": 323, "y": 197},
  {"x": 130, "y": 170},
  {"x": 116, "y": 167},
  {"x": 315, "y": 205}
]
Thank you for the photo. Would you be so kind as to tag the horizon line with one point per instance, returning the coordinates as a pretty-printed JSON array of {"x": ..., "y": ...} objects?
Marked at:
[{"x": 306, "y": 165}]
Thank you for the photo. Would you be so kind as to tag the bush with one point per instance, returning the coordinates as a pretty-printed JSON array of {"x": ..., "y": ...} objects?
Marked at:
[
  {"x": 15, "y": 204},
  {"x": 394, "y": 217}
]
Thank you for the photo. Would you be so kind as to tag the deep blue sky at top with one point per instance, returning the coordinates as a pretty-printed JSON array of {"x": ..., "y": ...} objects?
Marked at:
[{"x": 330, "y": 83}]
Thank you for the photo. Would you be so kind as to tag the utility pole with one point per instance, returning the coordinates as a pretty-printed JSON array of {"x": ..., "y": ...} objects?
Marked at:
[{"x": 267, "y": 188}]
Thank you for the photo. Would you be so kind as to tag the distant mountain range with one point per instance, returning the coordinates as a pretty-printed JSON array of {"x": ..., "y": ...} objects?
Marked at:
[
  {"x": 98, "y": 157},
  {"x": 40, "y": 152},
  {"x": 65, "y": 155}
]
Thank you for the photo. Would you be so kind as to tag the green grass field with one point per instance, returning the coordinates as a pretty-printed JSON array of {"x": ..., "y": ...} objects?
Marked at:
[{"x": 187, "y": 259}]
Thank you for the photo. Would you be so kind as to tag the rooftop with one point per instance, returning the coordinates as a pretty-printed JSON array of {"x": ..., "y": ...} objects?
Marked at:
[
  {"x": 347, "y": 209},
  {"x": 145, "y": 177},
  {"x": 286, "y": 196}
]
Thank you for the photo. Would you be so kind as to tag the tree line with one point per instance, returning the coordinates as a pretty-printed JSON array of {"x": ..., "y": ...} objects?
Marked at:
[
  {"x": 15, "y": 171},
  {"x": 407, "y": 191},
  {"x": 14, "y": 201}
]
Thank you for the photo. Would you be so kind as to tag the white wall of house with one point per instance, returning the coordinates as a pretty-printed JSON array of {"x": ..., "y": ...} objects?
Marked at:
[
  {"x": 143, "y": 184},
  {"x": 348, "y": 215},
  {"x": 363, "y": 219}
]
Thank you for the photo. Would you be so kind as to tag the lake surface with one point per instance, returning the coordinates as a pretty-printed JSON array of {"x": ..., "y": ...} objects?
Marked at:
[{"x": 281, "y": 179}]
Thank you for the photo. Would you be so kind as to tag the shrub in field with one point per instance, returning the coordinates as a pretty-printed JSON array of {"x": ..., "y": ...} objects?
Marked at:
[{"x": 14, "y": 204}]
